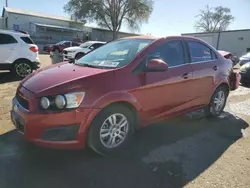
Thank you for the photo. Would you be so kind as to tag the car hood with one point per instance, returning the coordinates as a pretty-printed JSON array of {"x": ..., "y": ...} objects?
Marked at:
[
  {"x": 74, "y": 48},
  {"x": 58, "y": 75}
]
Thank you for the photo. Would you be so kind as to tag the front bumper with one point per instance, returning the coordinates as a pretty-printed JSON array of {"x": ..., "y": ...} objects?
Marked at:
[{"x": 66, "y": 130}]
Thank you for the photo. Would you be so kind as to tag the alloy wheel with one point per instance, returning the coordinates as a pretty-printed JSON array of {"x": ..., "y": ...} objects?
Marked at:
[
  {"x": 23, "y": 70},
  {"x": 219, "y": 101},
  {"x": 114, "y": 130}
]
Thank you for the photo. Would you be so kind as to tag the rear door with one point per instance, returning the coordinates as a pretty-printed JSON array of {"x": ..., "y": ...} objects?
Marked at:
[
  {"x": 204, "y": 65},
  {"x": 165, "y": 93},
  {"x": 8, "y": 48}
]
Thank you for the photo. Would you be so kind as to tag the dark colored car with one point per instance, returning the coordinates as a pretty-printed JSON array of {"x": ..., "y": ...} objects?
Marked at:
[
  {"x": 60, "y": 46},
  {"x": 127, "y": 84},
  {"x": 245, "y": 73}
]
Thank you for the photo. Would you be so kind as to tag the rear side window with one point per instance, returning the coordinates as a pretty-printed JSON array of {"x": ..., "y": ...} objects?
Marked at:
[
  {"x": 7, "y": 39},
  {"x": 27, "y": 40},
  {"x": 171, "y": 52},
  {"x": 199, "y": 52}
]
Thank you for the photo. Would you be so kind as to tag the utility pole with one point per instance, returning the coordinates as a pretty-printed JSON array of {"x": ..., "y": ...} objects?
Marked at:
[{"x": 6, "y": 3}]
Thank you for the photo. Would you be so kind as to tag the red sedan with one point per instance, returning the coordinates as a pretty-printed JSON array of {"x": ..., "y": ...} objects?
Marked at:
[{"x": 101, "y": 99}]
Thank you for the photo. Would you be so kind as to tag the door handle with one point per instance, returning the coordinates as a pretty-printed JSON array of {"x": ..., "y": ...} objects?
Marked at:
[
  {"x": 215, "y": 68},
  {"x": 186, "y": 75}
]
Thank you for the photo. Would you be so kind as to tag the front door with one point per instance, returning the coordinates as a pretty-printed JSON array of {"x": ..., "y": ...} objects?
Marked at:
[{"x": 165, "y": 93}]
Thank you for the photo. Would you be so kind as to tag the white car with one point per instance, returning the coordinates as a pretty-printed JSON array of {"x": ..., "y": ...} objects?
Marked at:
[
  {"x": 18, "y": 53},
  {"x": 79, "y": 51}
]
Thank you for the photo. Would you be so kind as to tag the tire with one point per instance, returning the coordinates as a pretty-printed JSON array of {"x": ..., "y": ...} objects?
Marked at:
[
  {"x": 214, "y": 109},
  {"x": 22, "y": 69},
  {"x": 79, "y": 55},
  {"x": 113, "y": 139}
]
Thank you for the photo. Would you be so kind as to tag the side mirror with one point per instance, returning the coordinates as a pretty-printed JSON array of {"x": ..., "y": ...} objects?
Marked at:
[
  {"x": 91, "y": 48},
  {"x": 156, "y": 65}
]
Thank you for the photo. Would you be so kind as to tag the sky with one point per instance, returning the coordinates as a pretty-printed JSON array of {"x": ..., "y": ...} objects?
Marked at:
[{"x": 169, "y": 17}]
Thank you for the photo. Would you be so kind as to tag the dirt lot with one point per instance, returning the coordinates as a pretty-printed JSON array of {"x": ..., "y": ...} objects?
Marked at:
[{"x": 189, "y": 151}]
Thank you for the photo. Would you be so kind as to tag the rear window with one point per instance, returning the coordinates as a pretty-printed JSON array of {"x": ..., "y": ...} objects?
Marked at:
[{"x": 27, "y": 40}]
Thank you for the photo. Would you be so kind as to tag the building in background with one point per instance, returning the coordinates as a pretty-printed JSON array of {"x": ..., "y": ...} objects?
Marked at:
[
  {"x": 235, "y": 41},
  {"x": 50, "y": 29}
]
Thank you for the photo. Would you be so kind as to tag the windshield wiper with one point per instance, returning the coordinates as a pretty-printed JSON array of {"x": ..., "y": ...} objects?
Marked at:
[{"x": 91, "y": 66}]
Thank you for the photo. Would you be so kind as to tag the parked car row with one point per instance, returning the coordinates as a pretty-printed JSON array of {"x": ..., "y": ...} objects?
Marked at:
[
  {"x": 109, "y": 93},
  {"x": 60, "y": 46}
]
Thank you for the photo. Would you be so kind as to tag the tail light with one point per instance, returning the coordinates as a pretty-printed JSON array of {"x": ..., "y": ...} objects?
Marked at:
[{"x": 34, "y": 49}]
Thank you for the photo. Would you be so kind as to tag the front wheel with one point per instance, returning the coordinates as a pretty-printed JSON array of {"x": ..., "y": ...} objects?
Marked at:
[
  {"x": 111, "y": 130},
  {"x": 79, "y": 55},
  {"x": 217, "y": 102}
]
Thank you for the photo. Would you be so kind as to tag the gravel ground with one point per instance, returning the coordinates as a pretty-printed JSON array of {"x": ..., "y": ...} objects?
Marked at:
[{"x": 186, "y": 151}]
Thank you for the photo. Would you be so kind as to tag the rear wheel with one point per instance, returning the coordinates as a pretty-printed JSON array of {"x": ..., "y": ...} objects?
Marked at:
[
  {"x": 22, "y": 69},
  {"x": 111, "y": 130},
  {"x": 217, "y": 102}
]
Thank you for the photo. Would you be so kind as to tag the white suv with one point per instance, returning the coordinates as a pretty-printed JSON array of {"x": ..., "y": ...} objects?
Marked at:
[
  {"x": 79, "y": 51},
  {"x": 18, "y": 53}
]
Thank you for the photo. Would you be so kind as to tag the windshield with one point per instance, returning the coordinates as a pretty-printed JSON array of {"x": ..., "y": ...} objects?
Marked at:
[
  {"x": 115, "y": 54},
  {"x": 86, "y": 45}
]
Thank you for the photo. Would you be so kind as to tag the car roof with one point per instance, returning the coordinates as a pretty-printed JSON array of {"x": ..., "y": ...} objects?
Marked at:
[{"x": 11, "y": 32}]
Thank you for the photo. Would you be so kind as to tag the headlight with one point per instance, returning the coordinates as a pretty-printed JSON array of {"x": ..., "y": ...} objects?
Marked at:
[
  {"x": 66, "y": 101},
  {"x": 71, "y": 51},
  {"x": 45, "y": 103},
  {"x": 60, "y": 101}
]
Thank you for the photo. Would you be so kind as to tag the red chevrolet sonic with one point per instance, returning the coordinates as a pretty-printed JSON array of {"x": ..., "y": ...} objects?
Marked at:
[{"x": 102, "y": 98}]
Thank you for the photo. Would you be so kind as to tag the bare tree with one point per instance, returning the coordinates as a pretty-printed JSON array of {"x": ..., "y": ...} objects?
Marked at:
[
  {"x": 111, "y": 14},
  {"x": 214, "y": 19}
]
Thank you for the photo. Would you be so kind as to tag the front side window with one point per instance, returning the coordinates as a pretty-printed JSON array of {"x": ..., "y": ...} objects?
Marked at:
[
  {"x": 86, "y": 45},
  {"x": 115, "y": 54},
  {"x": 7, "y": 39},
  {"x": 96, "y": 45},
  {"x": 199, "y": 52},
  {"x": 171, "y": 52}
]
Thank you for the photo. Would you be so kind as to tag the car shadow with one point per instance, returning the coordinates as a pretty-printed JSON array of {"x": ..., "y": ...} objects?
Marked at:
[
  {"x": 7, "y": 77},
  {"x": 167, "y": 154}
]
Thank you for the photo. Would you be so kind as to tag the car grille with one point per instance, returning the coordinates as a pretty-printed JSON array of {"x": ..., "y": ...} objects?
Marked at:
[{"x": 22, "y": 101}]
